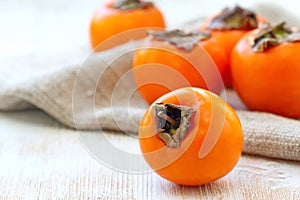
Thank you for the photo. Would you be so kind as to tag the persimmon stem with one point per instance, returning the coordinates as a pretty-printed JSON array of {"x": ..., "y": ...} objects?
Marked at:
[
  {"x": 172, "y": 122},
  {"x": 269, "y": 36},
  {"x": 234, "y": 18},
  {"x": 131, "y": 4},
  {"x": 162, "y": 115},
  {"x": 180, "y": 39}
]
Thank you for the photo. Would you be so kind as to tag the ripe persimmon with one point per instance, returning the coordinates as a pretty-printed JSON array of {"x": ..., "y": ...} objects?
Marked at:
[
  {"x": 228, "y": 27},
  {"x": 116, "y": 16},
  {"x": 191, "y": 137},
  {"x": 168, "y": 60},
  {"x": 266, "y": 70}
]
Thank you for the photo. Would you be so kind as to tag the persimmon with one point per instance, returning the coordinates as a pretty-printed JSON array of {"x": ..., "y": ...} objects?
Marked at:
[
  {"x": 116, "y": 16},
  {"x": 266, "y": 70},
  {"x": 168, "y": 60},
  {"x": 191, "y": 136},
  {"x": 228, "y": 27}
]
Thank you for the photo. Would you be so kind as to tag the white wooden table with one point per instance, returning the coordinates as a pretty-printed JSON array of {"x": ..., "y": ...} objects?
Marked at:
[{"x": 41, "y": 159}]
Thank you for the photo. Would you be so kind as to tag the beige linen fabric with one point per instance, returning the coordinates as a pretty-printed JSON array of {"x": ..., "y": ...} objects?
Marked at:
[{"x": 100, "y": 94}]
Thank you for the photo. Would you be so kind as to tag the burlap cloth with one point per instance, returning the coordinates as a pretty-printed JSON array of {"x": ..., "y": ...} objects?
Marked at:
[{"x": 100, "y": 94}]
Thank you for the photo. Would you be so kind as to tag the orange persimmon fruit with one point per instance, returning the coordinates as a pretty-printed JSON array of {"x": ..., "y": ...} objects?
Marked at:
[
  {"x": 266, "y": 70},
  {"x": 117, "y": 16},
  {"x": 191, "y": 137},
  {"x": 168, "y": 60},
  {"x": 228, "y": 27}
]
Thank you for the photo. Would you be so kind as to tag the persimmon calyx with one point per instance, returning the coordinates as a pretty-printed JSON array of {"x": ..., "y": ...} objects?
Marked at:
[
  {"x": 236, "y": 18},
  {"x": 172, "y": 122},
  {"x": 270, "y": 36},
  {"x": 179, "y": 38},
  {"x": 131, "y": 4}
]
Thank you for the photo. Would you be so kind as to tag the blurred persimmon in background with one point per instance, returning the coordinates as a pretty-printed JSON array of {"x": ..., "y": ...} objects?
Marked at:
[
  {"x": 228, "y": 27},
  {"x": 168, "y": 60},
  {"x": 116, "y": 16}
]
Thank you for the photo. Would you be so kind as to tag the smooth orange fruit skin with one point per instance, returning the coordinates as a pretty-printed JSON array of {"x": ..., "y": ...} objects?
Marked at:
[
  {"x": 183, "y": 165},
  {"x": 107, "y": 22},
  {"x": 228, "y": 39},
  {"x": 268, "y": 81},
  {"x": 161, "y": 67}
]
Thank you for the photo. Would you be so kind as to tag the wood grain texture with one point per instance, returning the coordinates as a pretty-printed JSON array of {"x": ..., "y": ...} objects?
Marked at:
[{"x": 40, "y": 159}]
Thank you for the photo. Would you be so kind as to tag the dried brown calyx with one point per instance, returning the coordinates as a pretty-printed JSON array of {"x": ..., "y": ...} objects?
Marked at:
[
  {"x": 180, "y": 39},
  {"x": 234, "y": 18},
  {"x": 270, "y": 36},
  {"x": 172, "y": 122},
  {"x": 131, "y": 4}
]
